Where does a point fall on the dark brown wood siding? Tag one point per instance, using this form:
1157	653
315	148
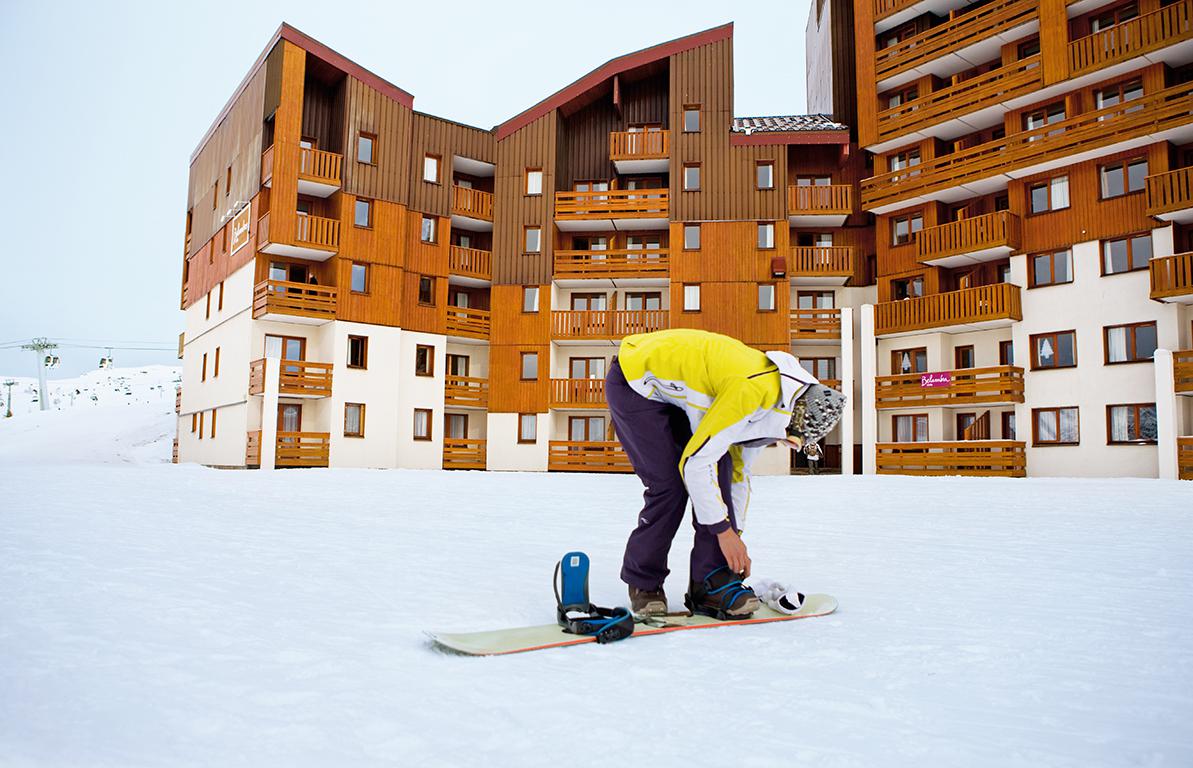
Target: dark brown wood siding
370	111
531	147
444	139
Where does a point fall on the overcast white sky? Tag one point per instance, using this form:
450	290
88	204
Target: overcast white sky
104	103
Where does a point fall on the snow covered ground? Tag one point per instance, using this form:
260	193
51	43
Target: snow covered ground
155	615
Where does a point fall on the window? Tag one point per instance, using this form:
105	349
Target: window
586	428
533	240
1008	425
228	182
1050	195
766	235
814	300
643	300
764	174
530	366
589	302
691	177
766	297
194	422
534	181
903	161
220	305
910	428
1119	94
528	427
457	365
208	309
903	228
363	213
1126	254
1054	350
201	415
215	195
814	239
424	360
1111	18
1124	423
1055	426
691	298
216	368
963	357
354	420
1131	343
691	237
530	298
365	148
213	413
431	168
898	98
1028	49
821	367
203	376
813	181
360	278
1123	176
1006	352
1038	118
426	290
429	227
907	288
691	118
1051	268
358	351
908	361
422	423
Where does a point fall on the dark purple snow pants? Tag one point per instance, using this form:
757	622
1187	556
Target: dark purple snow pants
654	435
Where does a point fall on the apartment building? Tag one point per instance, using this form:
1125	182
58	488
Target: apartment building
366	285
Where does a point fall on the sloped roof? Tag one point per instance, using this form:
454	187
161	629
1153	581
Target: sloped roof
786	124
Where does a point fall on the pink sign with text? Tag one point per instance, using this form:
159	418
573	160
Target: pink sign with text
942	379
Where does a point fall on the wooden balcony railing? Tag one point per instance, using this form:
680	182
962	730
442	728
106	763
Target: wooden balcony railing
470	262
1184	457
302	449
620	263
639	145
473	203
1170	191
467	391
612	204
296	378
978	233
319	165
178	400
174	455
463	453
816	324
820	200
987	303
1182	371
1003	458
590	456
252	449
978	430
267	165
1171	276
578	393
884	8
317	231
466	321
279	297
832	384
607	323
1129	39
181	344
969	386
821	261
961	31
1154	113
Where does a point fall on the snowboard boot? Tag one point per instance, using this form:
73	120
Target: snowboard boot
722	596
814	415
648	602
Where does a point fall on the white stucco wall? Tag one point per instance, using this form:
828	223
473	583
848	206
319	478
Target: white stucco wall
505	453
420	392
375	386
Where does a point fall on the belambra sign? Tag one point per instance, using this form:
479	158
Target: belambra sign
942	379
240	229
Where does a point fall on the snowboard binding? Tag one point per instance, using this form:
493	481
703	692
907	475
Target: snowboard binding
576	614
721	595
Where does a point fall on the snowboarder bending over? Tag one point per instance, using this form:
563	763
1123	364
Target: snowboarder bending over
692	409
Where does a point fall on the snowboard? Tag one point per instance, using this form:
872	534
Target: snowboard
499	642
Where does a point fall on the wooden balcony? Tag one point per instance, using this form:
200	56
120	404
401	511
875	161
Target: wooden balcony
823	205
463	453
966	39
973	309
1145	35
472	208
294	302
1170	195
468	323
1172	278
999	458
252	449
470	262
1184	457
615	209
296	378
174	455
294	449
315	238
465	392
969	241
1000	385
816	325
640	151
821	265
181	344
178	400
592	456
1164	115
620	264
578	393
318	171
606	323
1182	371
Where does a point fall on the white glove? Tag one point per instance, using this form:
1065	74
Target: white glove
778	596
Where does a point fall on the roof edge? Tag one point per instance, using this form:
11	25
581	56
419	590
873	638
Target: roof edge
788	137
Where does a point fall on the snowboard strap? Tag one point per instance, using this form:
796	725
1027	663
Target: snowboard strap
576	614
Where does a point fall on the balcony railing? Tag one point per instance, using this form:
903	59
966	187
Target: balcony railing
181	344
607	323
820	200
990	236
821	261
1182	371
465	391
469	322
621	263
319	165
884	8
279	297
969	386
252	449
1129	39
178	400
296	378
302	449
267	166
1172	277
1002	458
472	203
612	204
1170	192
313	232
985	306
639	145
816	324
463	453
578	393
587	456
470	262
1184	457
